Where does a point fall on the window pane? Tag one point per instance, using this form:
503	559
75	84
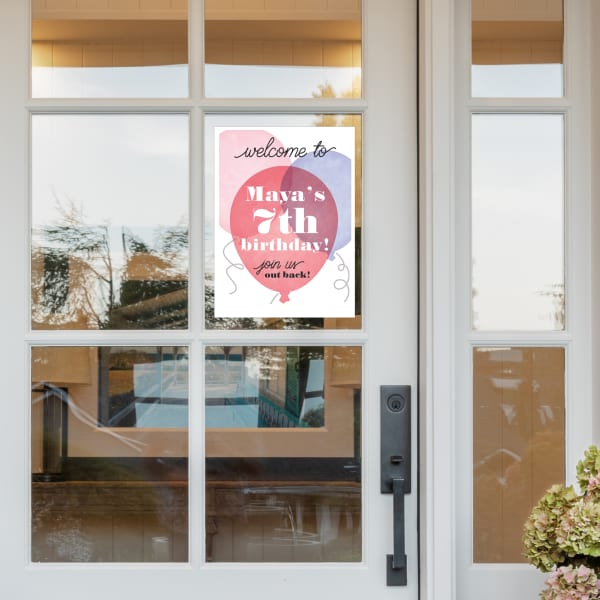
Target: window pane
282	50
283	222
110	218
283	454
518	443
517	222
100	493
517	49
117	50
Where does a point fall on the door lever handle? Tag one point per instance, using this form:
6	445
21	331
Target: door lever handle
395	471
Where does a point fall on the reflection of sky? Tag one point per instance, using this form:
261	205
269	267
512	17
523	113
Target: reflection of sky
517	81
171	81
123	172
252	81
167	81
129	170
517	191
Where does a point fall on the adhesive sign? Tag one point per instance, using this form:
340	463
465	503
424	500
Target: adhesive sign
284	232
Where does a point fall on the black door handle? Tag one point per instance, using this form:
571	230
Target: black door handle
395	470
399	556
396	563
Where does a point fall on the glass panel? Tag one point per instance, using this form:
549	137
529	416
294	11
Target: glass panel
110	221
283	222
283	454
517	222
518	443
101	494
283	50
517	49
109	50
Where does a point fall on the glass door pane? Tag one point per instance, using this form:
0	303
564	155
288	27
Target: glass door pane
109	448
518	206
109	49
517	49
283	49
518	443
110	198
283	454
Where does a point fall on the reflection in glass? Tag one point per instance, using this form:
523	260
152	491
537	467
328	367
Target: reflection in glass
517	49
283	454
518	443
283	52
101	494
127	50
110	221
517	222
143	386
316	121
265	386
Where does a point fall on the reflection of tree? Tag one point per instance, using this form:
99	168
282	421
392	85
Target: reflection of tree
153	290
349	120
76	281
556	293
314	417
326	90
71	268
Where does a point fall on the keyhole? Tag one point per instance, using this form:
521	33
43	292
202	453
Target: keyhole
396	403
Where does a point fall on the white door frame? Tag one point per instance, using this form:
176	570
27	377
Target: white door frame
437	377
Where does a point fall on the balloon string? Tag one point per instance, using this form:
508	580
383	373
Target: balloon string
232	265
341	284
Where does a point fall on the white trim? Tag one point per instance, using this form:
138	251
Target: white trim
437	299
578	233
14	66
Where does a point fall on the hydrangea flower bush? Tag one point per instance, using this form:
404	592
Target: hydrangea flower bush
562	535
571	583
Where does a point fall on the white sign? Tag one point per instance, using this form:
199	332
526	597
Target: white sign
284	231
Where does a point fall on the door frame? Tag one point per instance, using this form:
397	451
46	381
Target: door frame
436	268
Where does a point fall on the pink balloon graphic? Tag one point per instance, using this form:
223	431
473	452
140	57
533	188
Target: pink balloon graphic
283	221
243	152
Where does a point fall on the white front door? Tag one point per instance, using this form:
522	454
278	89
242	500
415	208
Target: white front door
192	407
